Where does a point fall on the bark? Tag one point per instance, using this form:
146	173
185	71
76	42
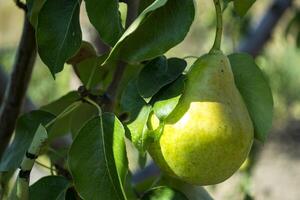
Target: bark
17	85
132	12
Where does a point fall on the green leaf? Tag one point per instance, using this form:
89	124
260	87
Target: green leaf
131	101
26	127
158	73
255	91
164	193
61	126
146	38
33	9
58	32
131	72
138	128
242	6
48	188
58	105
167	99
139	111
86	51
80	116
91	72
102	174
105	17
68	194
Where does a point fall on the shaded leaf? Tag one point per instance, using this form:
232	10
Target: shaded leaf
86	51
48	188
91	72
33	9
146	38
131	72
104	156
58	105
164	193
158	73
68	194
80	116
26	127
167	99
131	101
58	32
255	91
242	6
62	125
139	111
105	17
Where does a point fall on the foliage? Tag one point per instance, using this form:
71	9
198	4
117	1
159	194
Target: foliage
96	166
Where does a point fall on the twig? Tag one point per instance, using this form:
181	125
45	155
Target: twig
132	12
219	26
21	5
45	166
17	86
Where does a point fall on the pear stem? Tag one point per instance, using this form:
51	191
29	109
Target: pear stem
219	26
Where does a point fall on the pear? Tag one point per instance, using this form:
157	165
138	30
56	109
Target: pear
209	134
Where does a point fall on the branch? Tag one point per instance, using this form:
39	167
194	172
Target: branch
21	5
101	47
28	104
17	86
132	12
258	37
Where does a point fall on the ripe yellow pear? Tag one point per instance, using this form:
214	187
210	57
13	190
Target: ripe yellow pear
209	134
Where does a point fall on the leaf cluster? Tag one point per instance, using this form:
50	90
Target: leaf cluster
94	165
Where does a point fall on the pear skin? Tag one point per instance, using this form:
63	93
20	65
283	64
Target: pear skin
209	134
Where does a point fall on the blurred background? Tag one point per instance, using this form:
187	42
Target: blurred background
270	32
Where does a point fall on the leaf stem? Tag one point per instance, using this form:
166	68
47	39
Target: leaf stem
65	112
94	104
45	166
219	26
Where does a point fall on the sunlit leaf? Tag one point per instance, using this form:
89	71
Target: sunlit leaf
99	170
167	99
